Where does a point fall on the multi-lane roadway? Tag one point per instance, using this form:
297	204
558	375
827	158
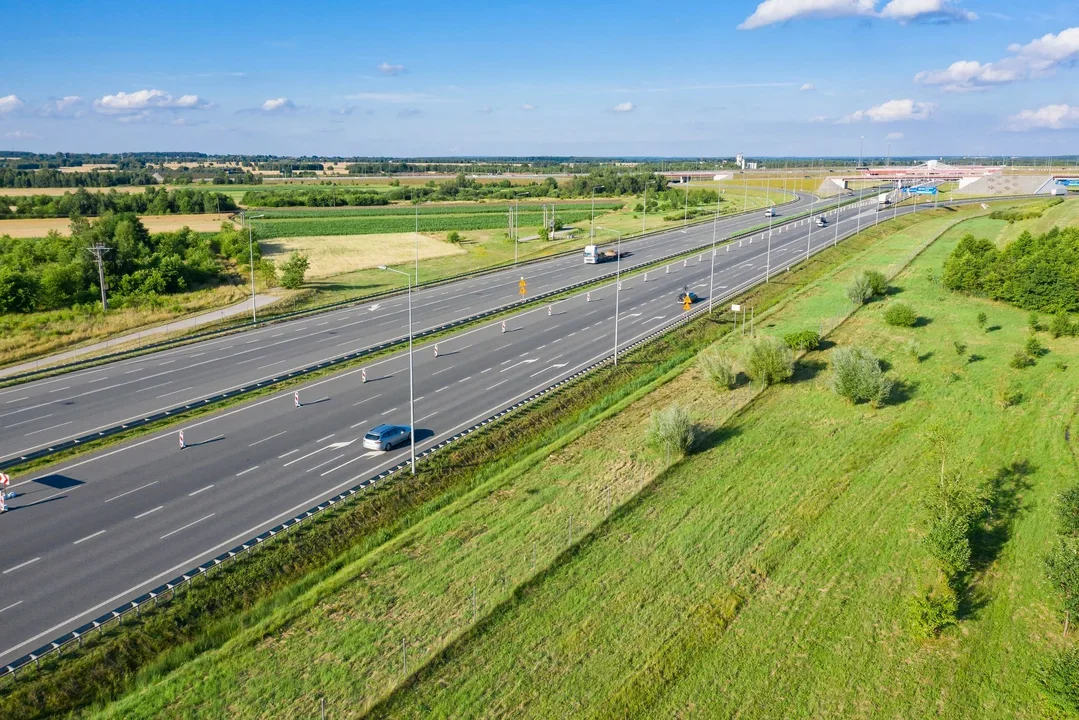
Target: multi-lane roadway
46	412
91	533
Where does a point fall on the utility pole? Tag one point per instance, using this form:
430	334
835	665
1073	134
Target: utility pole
98	251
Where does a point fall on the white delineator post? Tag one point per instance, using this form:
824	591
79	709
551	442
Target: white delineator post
182	443
503	326
363	375
296	398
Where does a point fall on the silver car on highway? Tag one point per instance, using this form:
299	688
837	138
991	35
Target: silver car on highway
387	437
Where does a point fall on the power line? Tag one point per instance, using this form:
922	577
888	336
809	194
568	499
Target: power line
98	251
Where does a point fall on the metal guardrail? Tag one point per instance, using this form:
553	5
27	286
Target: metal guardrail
169	589
347	357
29	375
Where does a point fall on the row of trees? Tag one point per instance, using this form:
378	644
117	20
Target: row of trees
50	178
314	196
57	271
1034	272
152	201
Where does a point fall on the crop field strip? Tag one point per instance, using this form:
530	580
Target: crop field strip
324	225
496	208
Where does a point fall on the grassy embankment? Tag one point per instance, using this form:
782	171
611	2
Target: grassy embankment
557	629
203	617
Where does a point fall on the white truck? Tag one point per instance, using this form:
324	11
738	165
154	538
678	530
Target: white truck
883	201
593	255
770	212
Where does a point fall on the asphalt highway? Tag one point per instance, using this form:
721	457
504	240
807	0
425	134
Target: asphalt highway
89	534
42	413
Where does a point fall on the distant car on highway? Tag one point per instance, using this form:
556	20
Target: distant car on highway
770	212
387	437
821	221
682	296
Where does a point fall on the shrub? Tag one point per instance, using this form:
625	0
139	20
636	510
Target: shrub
982	320
804	340
769	361
932	610
877	282
1034	322
859	290
1068	511
1061	325
1062	569
913	350
857	376
1033	347
954	506
1061	678
719	367
900	315
1020	360
960	347
455	237
1008	394
293	271
670	430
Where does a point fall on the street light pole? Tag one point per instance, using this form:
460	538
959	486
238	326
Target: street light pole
516	234
411	386
592	228
251	262
809	241
768	261
617	289
712	270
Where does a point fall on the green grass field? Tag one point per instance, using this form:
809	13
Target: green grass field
766	574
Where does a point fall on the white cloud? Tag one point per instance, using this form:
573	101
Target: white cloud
926	10
894	136
487	109
818	119
142	102
391	70
770	12
893	111
1050	117
807	87
10	103
624	107
67	106
278	105
528	106
22	135
1037	58
774	11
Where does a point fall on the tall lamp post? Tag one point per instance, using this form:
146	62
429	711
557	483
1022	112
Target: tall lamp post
517	235
411	386
592	227
617	288
251	259
809	241
712	271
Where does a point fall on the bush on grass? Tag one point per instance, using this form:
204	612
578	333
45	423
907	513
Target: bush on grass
900	315
802	341
857	376
932	610
719	368
671	430
769	361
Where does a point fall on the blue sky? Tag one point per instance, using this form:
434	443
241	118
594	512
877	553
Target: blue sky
802	77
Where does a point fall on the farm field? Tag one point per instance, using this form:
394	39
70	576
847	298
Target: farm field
781	588
40	227
337	254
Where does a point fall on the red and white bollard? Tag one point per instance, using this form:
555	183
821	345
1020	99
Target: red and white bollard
182	443
685	262
503	326
550	311
296	398
363	375
436	350
646	277
620	285
4	482
588	297
668	270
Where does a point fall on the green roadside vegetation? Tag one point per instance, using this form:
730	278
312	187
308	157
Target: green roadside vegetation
772	573
534	523
210	613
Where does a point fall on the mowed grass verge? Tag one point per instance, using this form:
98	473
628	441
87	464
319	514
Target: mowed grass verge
355	636
768	575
